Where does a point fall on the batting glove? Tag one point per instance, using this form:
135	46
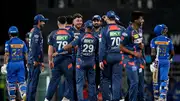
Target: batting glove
152	67
3	69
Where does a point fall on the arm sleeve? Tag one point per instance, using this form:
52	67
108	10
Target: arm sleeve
50	38
124	38
6	47
76	42
36	50
25	50
152	44
102	45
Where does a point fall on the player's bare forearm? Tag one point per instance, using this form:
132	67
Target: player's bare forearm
6	58
172	54
153	54
67	47
125	50
50	53
26	57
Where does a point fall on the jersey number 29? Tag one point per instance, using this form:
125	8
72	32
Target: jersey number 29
88	48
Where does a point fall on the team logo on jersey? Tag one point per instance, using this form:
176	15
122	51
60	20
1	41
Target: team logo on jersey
115	33
62	37
88	41
124	34
16	45
136	36
100	37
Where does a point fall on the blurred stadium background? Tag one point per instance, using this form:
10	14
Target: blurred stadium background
21	12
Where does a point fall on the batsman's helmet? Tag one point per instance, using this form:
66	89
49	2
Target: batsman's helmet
159	29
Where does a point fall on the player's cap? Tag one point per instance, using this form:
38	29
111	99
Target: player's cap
96	17
110	14
13	29
88	24
40	17
158	30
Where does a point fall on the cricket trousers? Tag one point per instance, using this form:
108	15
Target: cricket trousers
61	88
33	79
141	64
86	66
163	79
62	66
63	85
112	77
16	78
132	69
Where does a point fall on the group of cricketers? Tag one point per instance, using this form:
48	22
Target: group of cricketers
95	51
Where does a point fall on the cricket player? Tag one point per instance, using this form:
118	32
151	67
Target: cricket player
69	22
162	51
15	53
110	58
76	29
129	42
140	62
96	20
85	61
63	85
35	56
77	25
61	64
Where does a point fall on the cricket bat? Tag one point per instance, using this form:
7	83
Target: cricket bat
155	74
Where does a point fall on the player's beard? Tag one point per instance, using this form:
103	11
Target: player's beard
96	26
42	26
139	24
78	26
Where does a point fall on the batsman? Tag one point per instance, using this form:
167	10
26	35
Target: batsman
162	52
15	53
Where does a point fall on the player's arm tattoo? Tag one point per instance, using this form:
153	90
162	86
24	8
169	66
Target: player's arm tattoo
6	57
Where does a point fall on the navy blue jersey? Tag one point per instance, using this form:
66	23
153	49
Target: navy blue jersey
132	38
87	45
109	40
59	38
51	37
165	46
96	33
68	27
16	49
75	32
35	46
